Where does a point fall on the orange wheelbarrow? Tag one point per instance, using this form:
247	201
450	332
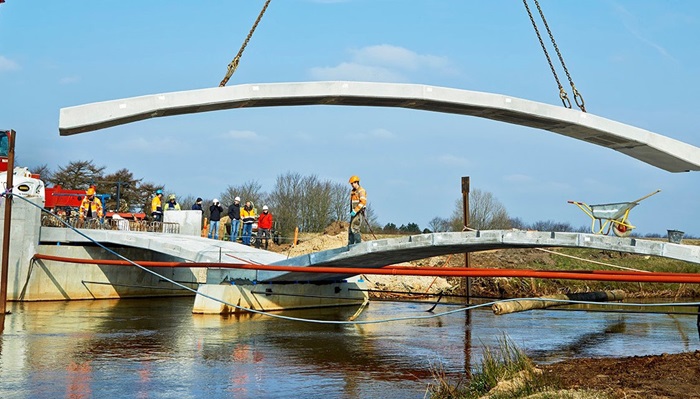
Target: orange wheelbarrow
613	217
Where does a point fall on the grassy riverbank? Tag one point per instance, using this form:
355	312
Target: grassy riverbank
507	373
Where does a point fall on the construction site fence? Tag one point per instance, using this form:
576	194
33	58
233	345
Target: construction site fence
111	224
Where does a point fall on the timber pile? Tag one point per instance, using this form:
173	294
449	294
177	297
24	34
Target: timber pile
529	304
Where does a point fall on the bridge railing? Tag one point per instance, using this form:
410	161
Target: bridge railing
111	224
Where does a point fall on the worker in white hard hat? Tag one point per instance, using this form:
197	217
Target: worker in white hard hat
234	213
215	211
358	202
264	226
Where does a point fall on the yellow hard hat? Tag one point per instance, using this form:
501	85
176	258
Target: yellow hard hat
354	179
90	191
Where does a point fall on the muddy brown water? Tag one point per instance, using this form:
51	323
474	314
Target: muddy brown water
156	348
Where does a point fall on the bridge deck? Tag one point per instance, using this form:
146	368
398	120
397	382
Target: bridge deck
369	254
657	150
384	252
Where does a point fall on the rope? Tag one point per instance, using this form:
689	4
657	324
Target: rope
234	63
343	322
592	261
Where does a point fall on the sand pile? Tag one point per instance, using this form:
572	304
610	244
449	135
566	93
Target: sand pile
336	236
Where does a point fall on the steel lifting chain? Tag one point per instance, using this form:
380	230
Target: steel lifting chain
578	98
562	93
234	63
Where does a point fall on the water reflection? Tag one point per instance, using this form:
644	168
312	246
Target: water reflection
159	349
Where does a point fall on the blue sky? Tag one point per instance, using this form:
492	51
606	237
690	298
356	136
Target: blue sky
636	62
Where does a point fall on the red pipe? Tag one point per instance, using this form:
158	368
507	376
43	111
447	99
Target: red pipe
597	275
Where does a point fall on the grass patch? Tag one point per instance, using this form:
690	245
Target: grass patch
504	373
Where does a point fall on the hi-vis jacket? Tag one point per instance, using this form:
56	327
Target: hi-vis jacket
358	199
91	208
248	216
156	205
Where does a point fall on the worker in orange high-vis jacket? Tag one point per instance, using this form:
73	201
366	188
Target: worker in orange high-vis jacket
358	202
91	206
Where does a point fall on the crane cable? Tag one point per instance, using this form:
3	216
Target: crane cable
578	98
234	63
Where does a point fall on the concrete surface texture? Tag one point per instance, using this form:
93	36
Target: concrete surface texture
655	149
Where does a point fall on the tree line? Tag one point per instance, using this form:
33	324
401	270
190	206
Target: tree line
307	202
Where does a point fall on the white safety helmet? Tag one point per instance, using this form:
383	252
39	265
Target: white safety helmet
216	201
265	208
237	199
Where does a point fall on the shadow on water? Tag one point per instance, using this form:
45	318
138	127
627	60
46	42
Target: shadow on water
320	347
582	344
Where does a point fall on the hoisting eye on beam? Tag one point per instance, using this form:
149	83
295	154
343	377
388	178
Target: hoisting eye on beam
578	98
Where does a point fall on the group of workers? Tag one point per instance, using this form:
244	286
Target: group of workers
91	207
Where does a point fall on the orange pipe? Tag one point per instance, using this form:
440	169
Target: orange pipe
617	272
119	262
596	275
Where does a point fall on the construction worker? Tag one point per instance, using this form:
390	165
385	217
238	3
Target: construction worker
91	206
248	218
358	202
264	226
172	204
157	206
215	210
234	213
197	206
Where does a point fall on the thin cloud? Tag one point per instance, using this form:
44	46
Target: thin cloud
145	145
383	63
69	80
354	71
241	135
517	178
453	160
7	64
375	134
398	57
629	21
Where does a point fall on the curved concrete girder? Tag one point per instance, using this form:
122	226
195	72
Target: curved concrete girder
657	150
391	251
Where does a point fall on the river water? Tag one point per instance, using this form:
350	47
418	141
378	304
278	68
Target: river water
156	348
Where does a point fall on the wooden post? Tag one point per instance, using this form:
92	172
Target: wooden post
6	231
468	282
465	210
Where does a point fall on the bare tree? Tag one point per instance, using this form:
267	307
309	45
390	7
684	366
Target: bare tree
248	191
372	225
286	200
438	224
43	171
340	201
317	207
485	212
